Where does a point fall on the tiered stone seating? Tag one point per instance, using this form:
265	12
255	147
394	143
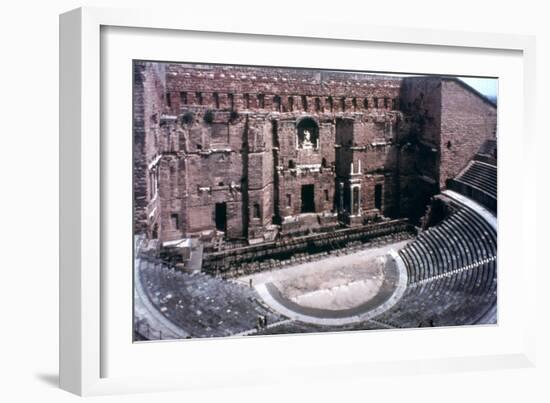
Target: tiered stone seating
202	305
482	176
451	274
452	280
462	239
478	181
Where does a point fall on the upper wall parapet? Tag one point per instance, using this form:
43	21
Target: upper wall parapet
279	89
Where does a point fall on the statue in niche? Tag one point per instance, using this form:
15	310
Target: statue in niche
307	135
307	139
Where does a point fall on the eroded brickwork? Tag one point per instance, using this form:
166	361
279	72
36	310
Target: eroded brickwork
257	153
468	120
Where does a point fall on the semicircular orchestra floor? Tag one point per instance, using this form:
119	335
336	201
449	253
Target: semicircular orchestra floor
339	290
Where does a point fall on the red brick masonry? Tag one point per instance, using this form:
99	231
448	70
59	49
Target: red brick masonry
261	151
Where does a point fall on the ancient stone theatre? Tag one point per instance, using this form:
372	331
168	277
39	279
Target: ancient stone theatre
285	200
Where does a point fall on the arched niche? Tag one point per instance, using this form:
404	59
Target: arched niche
307	134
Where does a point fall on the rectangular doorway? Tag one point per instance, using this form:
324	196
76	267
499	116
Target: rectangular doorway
308	199
221	216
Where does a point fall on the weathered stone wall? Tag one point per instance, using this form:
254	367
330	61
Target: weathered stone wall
421	103
148	93
467	121
278	89
445	123
237	148
214	172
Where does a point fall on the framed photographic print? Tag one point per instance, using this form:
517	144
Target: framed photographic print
234	202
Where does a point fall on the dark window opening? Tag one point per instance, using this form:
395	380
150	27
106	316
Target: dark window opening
308	199
256	210
291	104
261	101
288	200
246	101
354	103
217	100
231	98
324	163
168	100
342	104
183	97
220	184
198	96
327	198
291	164
199	146
221	216
155	233
378	196
317	104
366	103
330	103
449	145
375	102
277	103
175	221
304	102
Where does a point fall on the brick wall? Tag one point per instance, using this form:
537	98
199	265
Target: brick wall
148	103
235	136
467	120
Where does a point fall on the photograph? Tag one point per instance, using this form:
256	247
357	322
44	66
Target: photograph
272	200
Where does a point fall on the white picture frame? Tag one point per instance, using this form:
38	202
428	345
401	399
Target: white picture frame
85	306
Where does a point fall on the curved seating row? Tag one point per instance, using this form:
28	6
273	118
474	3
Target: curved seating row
480	175
462	239
452	274
202	305
452	280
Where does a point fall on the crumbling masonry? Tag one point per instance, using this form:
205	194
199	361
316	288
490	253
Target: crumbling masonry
252	154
